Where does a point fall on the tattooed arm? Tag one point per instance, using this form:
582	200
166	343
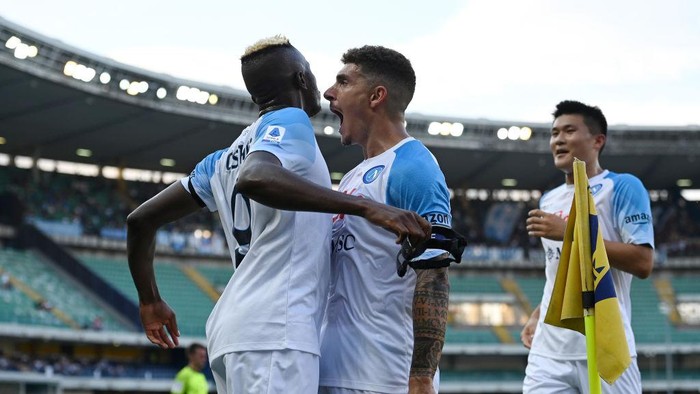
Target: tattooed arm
430	303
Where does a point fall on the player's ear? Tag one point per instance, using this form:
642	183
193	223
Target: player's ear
599	141
378	96
300	81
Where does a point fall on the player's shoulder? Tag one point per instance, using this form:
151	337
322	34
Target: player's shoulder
623	179
413	157
286	124
626	184
288	115
415	172
208	164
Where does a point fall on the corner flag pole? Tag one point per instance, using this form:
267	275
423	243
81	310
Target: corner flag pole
583	233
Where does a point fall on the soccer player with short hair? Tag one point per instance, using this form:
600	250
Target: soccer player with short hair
557	360
269	187
383	333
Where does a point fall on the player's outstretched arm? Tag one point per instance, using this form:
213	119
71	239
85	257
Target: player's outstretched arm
263	179
430	307
169	205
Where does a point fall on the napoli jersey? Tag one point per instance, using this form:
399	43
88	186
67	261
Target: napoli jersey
367	336
624	215
276	296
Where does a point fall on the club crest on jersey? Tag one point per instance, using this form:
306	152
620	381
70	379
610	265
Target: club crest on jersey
596	188
372	174
274	134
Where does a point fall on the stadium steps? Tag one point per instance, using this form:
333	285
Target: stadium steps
503	334
189	302
476	284
113	270
482	375
532	287
71	302
85	296
470	336
647	320
665	291
512	286
479	286
37	298
217	274
200	281
686	284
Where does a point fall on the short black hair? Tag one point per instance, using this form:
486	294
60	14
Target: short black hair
194	347
592	116
387	67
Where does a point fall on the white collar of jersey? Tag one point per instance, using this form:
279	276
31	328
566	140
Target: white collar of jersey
390	150
596	178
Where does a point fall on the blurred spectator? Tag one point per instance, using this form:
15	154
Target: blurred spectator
43	305
97	324
99	206
5	282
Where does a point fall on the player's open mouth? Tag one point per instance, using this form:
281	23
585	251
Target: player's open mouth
338	114
560	152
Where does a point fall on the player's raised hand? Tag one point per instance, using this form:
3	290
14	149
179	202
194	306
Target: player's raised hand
403	223
156	317
547	225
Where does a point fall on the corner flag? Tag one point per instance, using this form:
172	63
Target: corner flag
584	298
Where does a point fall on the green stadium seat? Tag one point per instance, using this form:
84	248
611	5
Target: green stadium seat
190	303
54	286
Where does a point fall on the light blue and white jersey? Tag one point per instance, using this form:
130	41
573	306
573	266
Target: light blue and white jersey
367	337
276	296
624	215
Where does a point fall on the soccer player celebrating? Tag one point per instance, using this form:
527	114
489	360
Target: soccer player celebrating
268	187
557	360
382	331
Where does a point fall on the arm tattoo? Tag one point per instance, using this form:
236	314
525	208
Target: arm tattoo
430	306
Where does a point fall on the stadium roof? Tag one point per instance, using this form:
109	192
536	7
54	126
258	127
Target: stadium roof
49	110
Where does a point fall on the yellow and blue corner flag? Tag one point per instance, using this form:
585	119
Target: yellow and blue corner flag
584	281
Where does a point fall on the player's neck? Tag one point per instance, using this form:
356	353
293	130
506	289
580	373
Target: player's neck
272	107
277	102
592	170
382	136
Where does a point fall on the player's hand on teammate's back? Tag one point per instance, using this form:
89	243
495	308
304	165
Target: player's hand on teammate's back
156	317
403	223
547	225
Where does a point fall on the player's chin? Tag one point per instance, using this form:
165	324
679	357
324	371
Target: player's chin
564	163
344	139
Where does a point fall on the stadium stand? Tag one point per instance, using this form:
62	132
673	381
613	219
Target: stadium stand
53	294
83	207
67	303
190	302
